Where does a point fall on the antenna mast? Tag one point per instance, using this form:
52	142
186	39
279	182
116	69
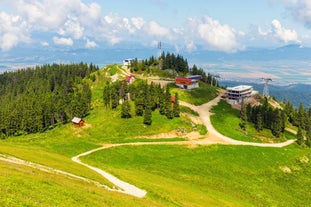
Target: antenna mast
160	48
266	88
159	55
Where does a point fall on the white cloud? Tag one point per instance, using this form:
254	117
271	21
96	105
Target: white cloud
262	32
72	28
153	28
45	44
301	10
190	46
63	41
282	33
90	44
138	22
214	34
72	16
13	30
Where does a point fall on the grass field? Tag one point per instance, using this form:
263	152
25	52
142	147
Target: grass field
24	186
197	96
213	175
172	175
226	120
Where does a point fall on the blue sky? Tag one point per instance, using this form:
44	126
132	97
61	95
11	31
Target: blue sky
222	25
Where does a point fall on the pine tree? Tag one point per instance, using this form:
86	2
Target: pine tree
258	123
114	98
302	116
308	133
300	139
276	126
148	116
169	112
176	109
126	110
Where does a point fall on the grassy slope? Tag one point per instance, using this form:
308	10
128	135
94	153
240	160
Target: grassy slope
213	175
196	96
226	120
24	186
54	148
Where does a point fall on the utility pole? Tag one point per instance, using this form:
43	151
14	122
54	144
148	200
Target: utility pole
159	55
266	88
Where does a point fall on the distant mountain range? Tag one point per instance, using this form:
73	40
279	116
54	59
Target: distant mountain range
288	66
293	52
42	55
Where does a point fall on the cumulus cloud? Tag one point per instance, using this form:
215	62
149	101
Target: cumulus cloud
282	33
52	14
13	30
301	10
90	44
214	34
63	41
153	28
72	28
68	18
45	44
138	22
70	21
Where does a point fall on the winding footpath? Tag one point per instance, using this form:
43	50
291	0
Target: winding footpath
213	137
218	138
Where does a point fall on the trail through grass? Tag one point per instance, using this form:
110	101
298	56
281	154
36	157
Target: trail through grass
213	175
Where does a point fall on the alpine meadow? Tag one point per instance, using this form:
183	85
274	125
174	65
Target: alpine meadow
163	147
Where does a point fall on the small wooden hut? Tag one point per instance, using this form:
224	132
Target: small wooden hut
77	121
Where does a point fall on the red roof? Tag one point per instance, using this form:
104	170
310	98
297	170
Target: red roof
173	99
128	78
182	79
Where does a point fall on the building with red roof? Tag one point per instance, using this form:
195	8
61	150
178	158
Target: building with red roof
186	83
130	79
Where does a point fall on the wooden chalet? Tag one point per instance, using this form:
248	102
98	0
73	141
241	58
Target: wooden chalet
77	121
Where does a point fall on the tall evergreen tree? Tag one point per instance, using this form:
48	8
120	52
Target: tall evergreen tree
308	134
176	109
276	126
126	110
148	116
258	123
300	139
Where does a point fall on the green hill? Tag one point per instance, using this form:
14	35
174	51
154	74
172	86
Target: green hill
181	175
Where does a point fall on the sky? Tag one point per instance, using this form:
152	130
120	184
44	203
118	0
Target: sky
187	25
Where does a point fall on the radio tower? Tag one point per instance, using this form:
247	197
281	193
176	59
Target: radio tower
160	48
266	88
160	55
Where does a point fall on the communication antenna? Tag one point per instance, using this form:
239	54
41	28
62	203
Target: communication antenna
266	88
160	48
159	55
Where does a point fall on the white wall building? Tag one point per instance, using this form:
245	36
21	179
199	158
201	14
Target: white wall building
236	94
128	62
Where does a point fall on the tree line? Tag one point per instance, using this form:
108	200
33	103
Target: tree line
265	116
145	98
35	99
206	78
165	61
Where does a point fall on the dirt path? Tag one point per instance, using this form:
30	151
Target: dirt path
213	137
15	160
217	138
